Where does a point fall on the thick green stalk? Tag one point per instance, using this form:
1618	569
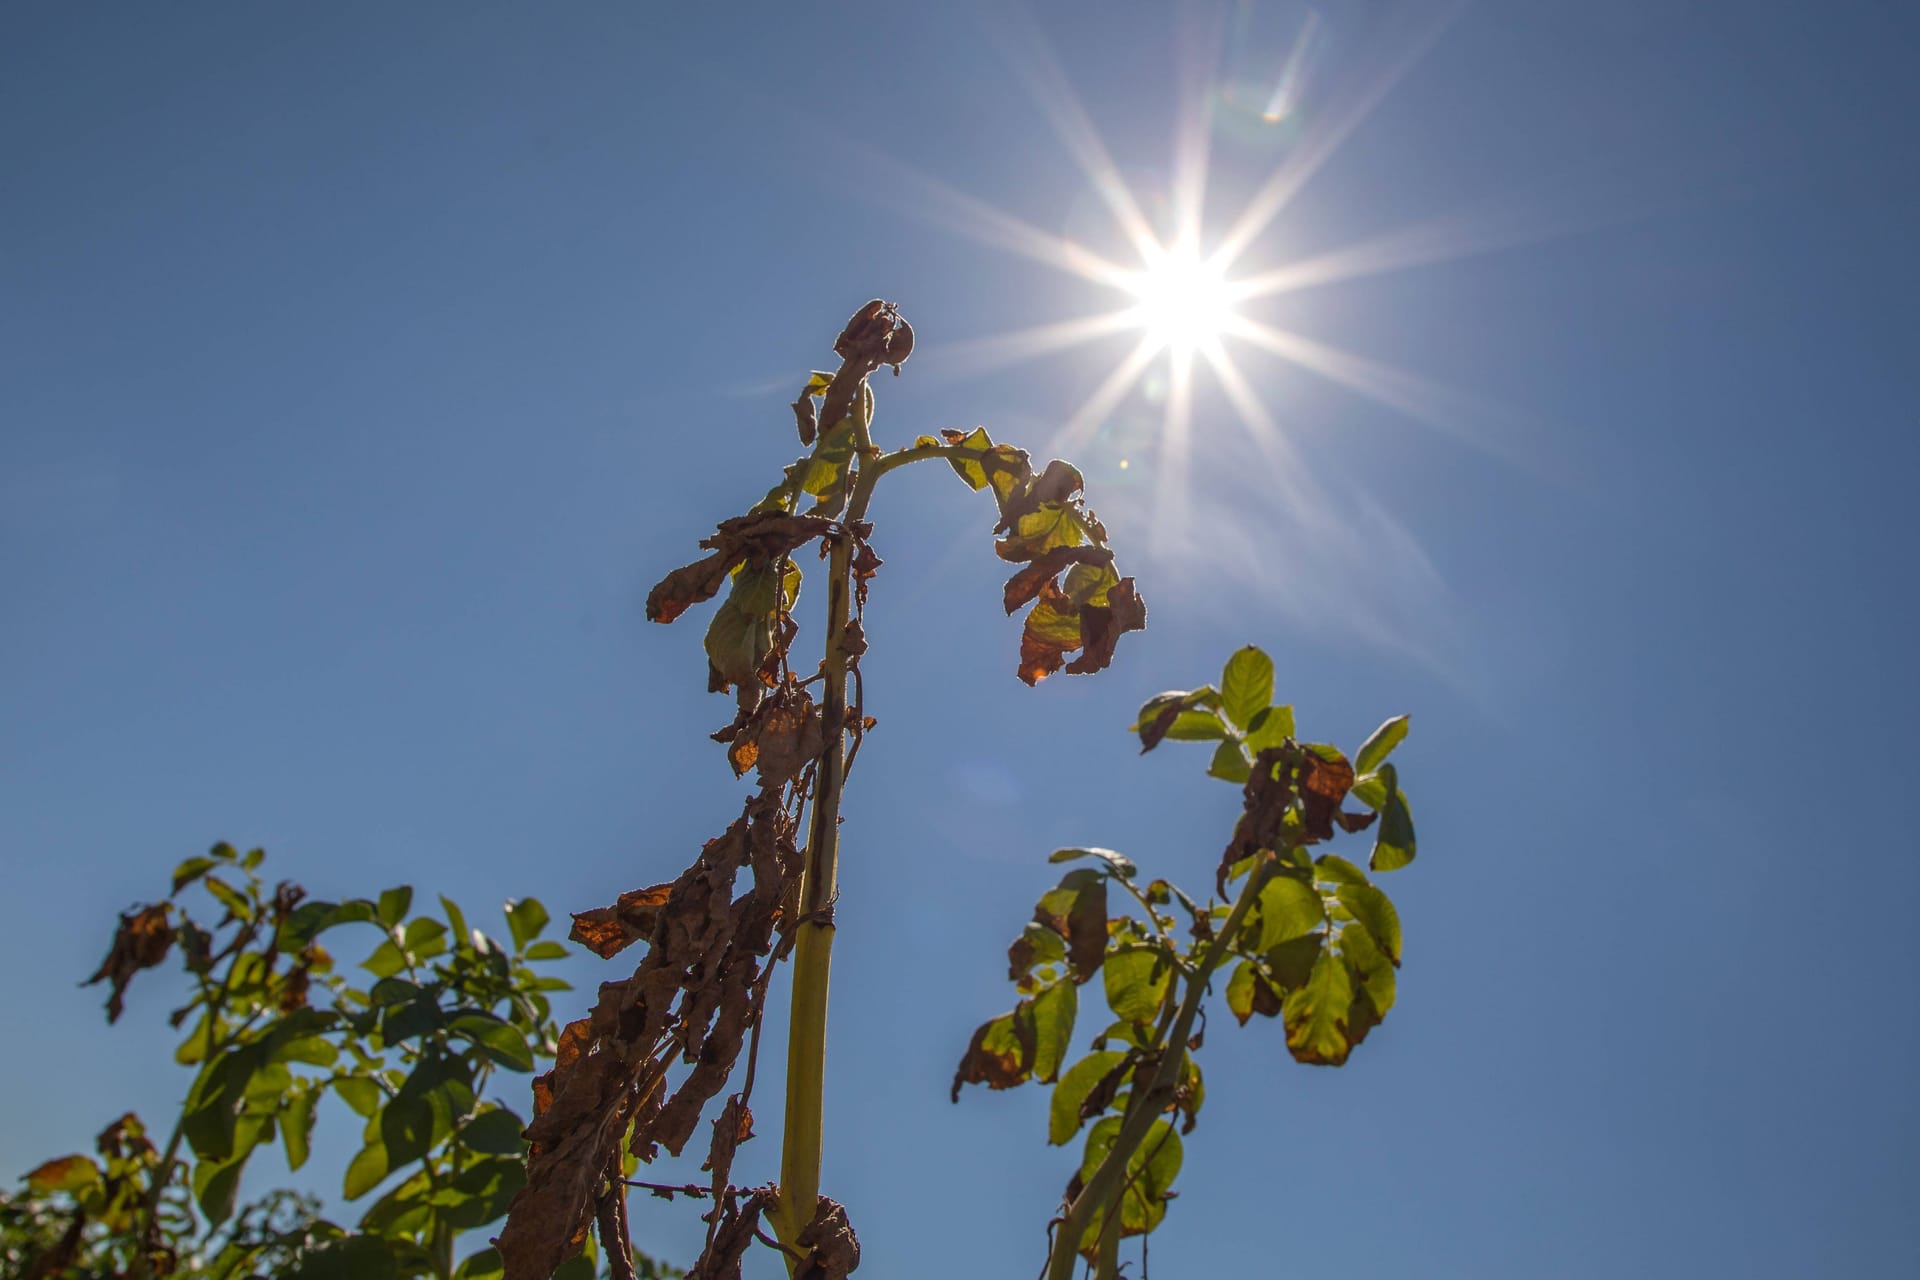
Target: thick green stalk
813	948
802	1142
1107	1182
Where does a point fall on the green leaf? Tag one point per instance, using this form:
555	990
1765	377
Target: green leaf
741	634
190	870
1150	1174
526	918
1271	727
497	1039
253	858
296	1125
1118	864
547	950
484	1265
394	904
1291	963
310	919
232	899
1063	1112
425	937
216	1098
1374	912
414	1018
456	920
1316	1014
215	1185
1380	744
1371	968
496	1132
387	959
1240	991
1197	726
1136	978
480	1192
356	1257
394	991
970	469
1333	867
359	1092
1230	763
1288	910
1190	712
1246	685
1053	1014
1393	843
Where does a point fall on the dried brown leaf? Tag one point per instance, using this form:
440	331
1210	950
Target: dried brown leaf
1026	584
1101	627
828	1240
692	996
605	931
141	942
762	536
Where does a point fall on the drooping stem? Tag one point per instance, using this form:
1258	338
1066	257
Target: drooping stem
1104	1187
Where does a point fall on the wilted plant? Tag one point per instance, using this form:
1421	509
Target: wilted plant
698	993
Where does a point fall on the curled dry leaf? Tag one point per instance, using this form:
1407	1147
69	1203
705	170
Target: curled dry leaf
784	734
141	942
605	931
1323	785
692	997
762	537
831	1247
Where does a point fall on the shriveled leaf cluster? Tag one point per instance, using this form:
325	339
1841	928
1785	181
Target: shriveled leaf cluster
692	999
1046	526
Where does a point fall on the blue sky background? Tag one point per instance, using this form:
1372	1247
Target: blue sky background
361	367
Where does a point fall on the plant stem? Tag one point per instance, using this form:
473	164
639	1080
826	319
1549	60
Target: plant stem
813	948
801	1144
1106	1181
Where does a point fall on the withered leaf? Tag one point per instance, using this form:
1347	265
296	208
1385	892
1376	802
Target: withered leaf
691	997
805	419
1026	584
1323	785
865	565
1101	627
733	1126
141	942
832	1248
605	931
1000	1055
1077	911
784	735
763	536
1051	632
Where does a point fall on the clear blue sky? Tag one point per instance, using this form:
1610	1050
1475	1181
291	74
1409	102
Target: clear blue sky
362	365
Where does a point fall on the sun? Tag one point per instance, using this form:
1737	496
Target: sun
1183	302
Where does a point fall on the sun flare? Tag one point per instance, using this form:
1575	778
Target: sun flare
1184	303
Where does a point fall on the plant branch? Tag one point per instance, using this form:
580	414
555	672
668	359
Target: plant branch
1107	1179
